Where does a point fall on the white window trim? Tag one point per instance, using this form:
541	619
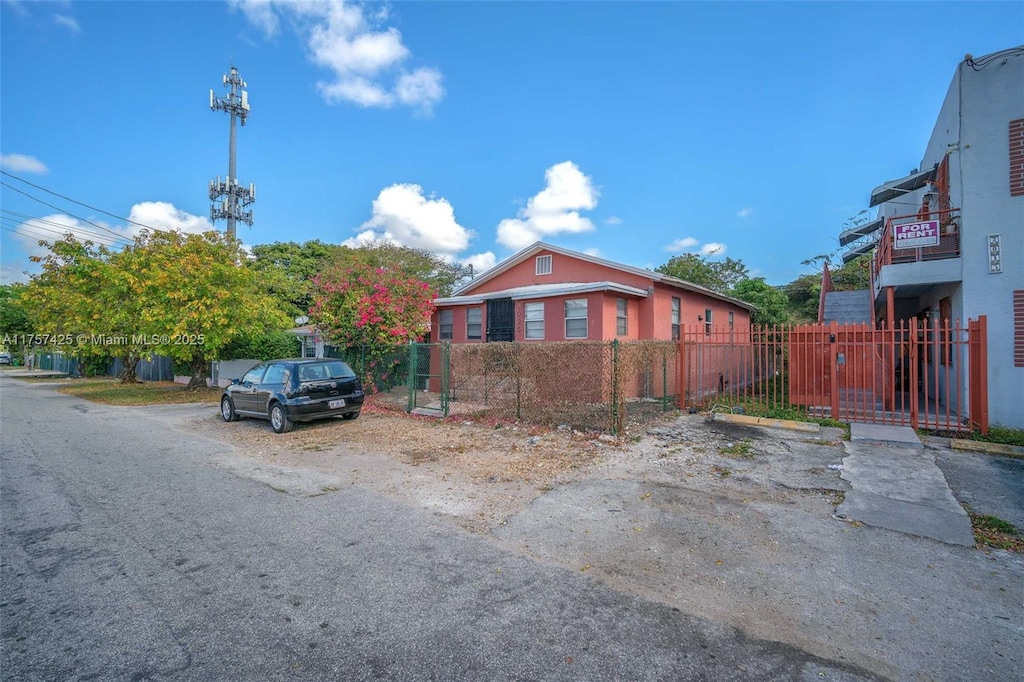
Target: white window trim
624	317
441	324
543	265
479	324
527	321
585	318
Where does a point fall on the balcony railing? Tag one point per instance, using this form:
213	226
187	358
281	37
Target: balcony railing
948	246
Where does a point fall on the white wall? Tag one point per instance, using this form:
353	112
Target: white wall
991	98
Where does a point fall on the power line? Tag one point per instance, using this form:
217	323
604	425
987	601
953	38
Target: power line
58	208
75	201
60	230
32	221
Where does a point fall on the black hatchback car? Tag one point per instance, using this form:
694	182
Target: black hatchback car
287	391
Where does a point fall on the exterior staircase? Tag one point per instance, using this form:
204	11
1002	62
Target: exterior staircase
848	307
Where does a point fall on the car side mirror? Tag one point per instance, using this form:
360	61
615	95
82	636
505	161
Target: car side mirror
234	382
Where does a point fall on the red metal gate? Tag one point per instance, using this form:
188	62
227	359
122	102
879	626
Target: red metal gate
923	373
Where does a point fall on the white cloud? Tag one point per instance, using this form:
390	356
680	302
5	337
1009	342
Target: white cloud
593	251
68	22
682	244
22	163
613	220
713	249
403	215
744	212
162	215
367	59
9	273
159	215
553	210
481	262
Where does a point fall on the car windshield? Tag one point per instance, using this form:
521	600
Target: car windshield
324	371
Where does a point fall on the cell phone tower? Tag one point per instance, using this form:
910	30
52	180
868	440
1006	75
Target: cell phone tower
229	199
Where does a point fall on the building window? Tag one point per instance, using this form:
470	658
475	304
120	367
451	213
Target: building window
446	322
707	321
732	321
543	265
621	321
534	313
576	318
676	305
474	325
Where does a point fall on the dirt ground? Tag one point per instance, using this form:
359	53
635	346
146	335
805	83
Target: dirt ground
730	523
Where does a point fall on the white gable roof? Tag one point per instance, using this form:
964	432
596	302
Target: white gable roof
537	247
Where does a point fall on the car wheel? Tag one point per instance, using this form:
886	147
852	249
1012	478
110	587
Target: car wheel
279	420
227	410
351	415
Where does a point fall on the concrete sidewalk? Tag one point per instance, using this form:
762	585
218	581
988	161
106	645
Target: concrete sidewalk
897	485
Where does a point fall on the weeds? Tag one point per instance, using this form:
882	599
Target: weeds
992	531
740	449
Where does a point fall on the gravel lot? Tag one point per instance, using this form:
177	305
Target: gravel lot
730	523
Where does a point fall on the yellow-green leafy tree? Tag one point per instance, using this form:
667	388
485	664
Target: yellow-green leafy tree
82	304
196	298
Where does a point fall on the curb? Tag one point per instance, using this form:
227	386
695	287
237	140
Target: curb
806	427
966	445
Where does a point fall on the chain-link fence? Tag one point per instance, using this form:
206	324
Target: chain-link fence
585	385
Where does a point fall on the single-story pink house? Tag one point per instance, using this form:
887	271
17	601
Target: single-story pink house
547	293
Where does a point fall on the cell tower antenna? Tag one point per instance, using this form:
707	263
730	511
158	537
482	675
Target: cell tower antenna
229	199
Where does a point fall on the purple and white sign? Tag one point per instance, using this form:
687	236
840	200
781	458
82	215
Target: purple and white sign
916	235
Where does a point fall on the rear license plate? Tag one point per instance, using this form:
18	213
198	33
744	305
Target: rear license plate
335	404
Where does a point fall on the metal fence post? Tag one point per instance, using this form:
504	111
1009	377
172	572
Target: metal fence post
664	381
411	379
616	426
446	348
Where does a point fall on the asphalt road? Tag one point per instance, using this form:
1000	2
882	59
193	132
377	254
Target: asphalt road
131	552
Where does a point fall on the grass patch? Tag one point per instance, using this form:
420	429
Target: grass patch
1001	434
992	531
821	441
113	392
740	449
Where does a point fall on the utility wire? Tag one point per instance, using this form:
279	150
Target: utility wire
54	231
75	201
58	208
32	221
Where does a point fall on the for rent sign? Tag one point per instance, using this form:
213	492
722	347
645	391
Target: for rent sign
916	235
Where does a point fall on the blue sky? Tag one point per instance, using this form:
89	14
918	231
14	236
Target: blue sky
635	131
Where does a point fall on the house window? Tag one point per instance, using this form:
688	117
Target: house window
621	321
534	313
707	321
308	347
732	321
676	304
446	322
474	325
543	265
576	318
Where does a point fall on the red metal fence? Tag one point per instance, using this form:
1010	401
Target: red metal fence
922	373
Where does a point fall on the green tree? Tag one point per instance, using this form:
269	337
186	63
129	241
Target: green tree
287	269
717	275
373	307
15	323
196	298
85	305
771	302
442	275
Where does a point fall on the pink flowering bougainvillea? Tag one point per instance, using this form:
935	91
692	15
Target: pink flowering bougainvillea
375	308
